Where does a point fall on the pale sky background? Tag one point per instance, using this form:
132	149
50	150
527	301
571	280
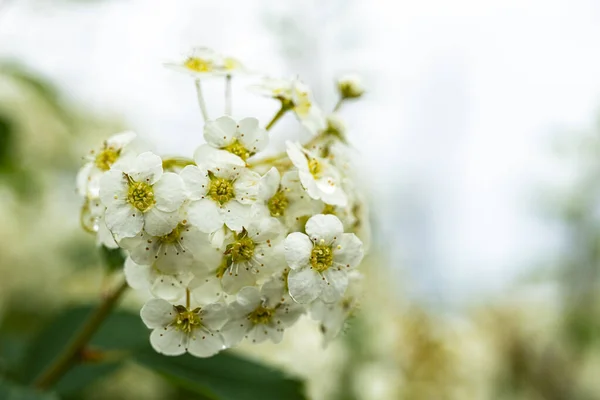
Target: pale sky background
454	134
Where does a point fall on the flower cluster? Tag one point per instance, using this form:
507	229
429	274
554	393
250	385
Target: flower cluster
231	244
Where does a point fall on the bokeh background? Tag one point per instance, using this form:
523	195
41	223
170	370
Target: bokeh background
479	148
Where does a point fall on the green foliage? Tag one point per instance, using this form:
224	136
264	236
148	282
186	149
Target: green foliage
121	333
225	376
123	337
10	391
113	259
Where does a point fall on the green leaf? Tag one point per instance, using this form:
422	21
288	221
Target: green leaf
225	376
11	391
113	259
122	332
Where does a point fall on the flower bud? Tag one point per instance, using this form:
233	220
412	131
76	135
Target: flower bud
350	86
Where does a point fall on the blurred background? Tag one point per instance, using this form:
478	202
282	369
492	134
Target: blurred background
479	144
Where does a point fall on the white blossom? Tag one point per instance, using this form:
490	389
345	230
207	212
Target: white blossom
284	198
220	194
260	315
177	329
320	179
243	138
202	62
172	252
350	86
332	316
321	259
299	96
140	196
168	286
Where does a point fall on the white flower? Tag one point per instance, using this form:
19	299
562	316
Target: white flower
254	252
203	62
92	219
332	316
320	179
172	252
297	96
350	86
284	198
177	329
101	160
168	286
221	194
321	259
140	196
243	138
260	315
344	214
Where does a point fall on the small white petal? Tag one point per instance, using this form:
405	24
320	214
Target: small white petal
207	289
248	298
220	132
269	184
123	220
214	316
334	285
298	248
205	215
159	223
169	341
158	313
196	181
347	251
234	331
168	192
251	135
137	276
246	186
258	333
204	343
113	188
324	227
172	259
168	287
304	285
121	140
298	158
237	277
208	157
235	215
147	168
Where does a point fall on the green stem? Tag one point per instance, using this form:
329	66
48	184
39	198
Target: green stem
201	102
276	117
228	98
71	353
338	105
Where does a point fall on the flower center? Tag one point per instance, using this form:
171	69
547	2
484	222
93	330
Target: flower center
238	149
198	64
106	158
321	257
261	315
278	203
172	237
314	167
140	195
221	190
186	320
242	249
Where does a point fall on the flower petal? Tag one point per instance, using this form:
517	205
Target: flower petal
269	184
296	155
208	157
137	276
121	140
248	298
220	132
234	331
169	341
246	186
123	220
113	188
258	333
157	313
173	259
168	287
204	214
204	343
207	289
251	135
304	285
159	223
169	192
147	167
334	285
347	251
322	227
214	316
236	277
297	248
235	215
196	181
